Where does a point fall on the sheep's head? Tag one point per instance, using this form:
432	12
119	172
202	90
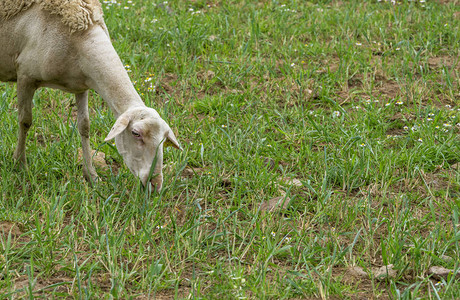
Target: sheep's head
140	135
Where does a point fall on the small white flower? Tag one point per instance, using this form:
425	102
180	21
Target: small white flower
399	102
387	104
336	114
358	44
420	140
273	234
405	128
293	64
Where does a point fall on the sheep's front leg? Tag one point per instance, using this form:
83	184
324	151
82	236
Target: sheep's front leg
83	127
26	90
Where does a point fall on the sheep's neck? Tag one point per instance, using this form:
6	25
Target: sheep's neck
106	73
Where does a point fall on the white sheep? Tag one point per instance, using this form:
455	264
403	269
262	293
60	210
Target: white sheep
64	44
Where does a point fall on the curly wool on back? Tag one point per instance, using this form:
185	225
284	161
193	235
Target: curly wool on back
78	15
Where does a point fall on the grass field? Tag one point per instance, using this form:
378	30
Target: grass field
321	159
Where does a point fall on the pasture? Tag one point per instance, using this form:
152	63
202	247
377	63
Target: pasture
321	159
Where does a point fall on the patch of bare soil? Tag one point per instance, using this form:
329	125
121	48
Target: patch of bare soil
364	285
427	182
388	88
167	294
98	158
15	230
436	62
167	84
22	286
455	2
280	202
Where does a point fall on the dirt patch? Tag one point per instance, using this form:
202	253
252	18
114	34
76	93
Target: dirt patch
379	86
388	88
455	2
14	229
192	172
98	158
22	284
166	84
166	294
280	202
7	227
436	62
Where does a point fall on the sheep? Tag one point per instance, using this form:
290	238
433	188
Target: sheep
65	44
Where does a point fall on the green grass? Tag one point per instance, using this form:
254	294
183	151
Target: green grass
357	100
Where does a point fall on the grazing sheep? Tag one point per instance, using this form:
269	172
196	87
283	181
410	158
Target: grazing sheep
64	44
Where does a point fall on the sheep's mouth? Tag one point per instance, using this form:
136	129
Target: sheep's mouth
156	185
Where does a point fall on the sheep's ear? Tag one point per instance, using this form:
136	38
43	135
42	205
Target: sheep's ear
171	140
120	124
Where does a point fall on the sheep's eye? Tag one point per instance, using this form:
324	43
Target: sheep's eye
135	134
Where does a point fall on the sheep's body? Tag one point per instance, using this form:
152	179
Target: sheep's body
45	53
39	49
76	14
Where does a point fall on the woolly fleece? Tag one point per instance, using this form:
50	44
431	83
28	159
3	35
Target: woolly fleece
78	15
